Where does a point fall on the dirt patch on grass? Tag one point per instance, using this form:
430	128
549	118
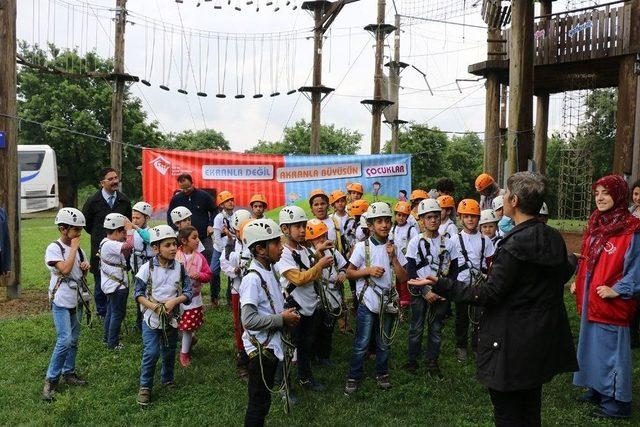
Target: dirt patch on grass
31	302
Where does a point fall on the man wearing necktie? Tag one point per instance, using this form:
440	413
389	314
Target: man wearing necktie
105	201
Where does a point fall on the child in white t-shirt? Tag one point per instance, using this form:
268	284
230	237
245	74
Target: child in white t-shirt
142	250
222	235
339	217
489	226
375	264
401	233
68	294
448	226
181	218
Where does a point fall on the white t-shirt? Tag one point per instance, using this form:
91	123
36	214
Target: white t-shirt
473	246
340	220
252	293
411	220
239	257
113	274
401	235
304	295
219	222
330	277
331	232
430	249
448	229
165	285
67	294
379	258
142	252
360	236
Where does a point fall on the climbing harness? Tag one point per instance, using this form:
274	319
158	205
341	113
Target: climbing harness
82	289
477	276
164	318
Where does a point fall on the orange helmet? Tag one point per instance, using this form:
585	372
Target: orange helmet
336	195
224	196
258	198
318	192
483	181
469	207
403	207
418	194
358	207
355	186
446	202
315	228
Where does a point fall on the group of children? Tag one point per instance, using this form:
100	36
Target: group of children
286	284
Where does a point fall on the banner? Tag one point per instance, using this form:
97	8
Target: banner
282	179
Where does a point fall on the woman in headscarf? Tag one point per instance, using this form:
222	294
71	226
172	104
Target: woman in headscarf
607	280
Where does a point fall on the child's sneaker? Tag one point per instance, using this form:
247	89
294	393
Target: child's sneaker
185	359
351	387
461	354
311	385
433	369
383	382
49	390
73	379
170	385
144	396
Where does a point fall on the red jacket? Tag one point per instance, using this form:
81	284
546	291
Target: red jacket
608	271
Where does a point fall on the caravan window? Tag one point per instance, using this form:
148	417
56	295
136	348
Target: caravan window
30	161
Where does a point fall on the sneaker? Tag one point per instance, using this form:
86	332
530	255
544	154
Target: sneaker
461	354
311	385
243	373
215	303
600	413
293	400
118	347
351	387
73	379
327	363
49	390
170	385
144	396
185	359
383	382
433	370
411	368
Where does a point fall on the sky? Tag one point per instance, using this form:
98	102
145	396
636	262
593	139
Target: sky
167	43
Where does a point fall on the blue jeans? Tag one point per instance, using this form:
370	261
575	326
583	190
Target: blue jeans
99	297
368	323
420	309
116	310
154	347
215	274
63	358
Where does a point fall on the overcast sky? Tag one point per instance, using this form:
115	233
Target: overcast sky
443	52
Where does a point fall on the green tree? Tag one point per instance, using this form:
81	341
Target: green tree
297	140
198	140
72	110
463	163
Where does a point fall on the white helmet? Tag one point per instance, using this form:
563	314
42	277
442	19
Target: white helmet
428	205
497	203
292	215
379	210
161	232
239	217
70	216
487	216
113	221
180	213
363	220
260	230
544	210
143	207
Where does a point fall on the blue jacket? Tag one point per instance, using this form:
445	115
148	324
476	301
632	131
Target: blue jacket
5	243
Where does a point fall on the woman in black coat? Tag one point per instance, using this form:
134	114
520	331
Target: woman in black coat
524	338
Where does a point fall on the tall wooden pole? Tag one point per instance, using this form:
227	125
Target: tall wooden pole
316	97
521	51
376	108
117	98
542	107
395	81
503	133
492	109
9	184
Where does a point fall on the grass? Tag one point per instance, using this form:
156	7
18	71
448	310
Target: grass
209	392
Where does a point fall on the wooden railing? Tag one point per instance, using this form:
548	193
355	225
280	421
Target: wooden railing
600	32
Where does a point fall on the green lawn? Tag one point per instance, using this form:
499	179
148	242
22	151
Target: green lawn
209	392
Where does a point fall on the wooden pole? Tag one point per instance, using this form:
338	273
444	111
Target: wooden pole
9	177
625	117
635	166
503	133
395	80
316	97
521	51
117	98
492	110
542	108
376	110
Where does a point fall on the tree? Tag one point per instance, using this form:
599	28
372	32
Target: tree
463	163
198	140
75	117
297	140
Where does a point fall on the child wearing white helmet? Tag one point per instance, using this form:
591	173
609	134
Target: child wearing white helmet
362	231
489	225
181	217
543	216
114	250
68	296
428	254
234	263
162	284
263	315
142	251
298	274
375	265
505	224
222	236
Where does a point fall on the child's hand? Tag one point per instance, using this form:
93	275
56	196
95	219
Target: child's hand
237	270
427	281
85	266
375	271
391	250
432	297
327	244
170	305
75	242
326	261
290	317
572	288
606	292
342	277
195	276
128	225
